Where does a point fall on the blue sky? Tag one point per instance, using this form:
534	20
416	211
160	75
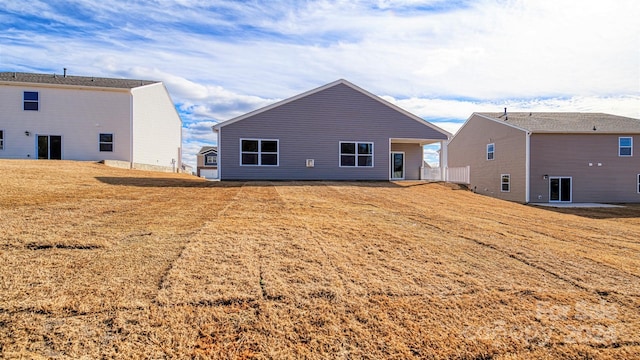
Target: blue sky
441	60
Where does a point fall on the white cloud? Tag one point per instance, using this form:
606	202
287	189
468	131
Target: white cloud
441	60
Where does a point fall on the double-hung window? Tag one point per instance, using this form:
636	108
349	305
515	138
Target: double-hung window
30	100
259	152
1	139
505	182
210	160
625	146
356	154
491	151
106	142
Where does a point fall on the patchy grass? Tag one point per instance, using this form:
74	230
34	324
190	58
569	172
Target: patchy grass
98	262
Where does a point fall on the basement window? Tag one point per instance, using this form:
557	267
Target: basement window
505	183
259	152
625	146
491	151
106	142
30	101
356	154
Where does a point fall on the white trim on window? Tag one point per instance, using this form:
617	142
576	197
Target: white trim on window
210	159
625	150
505	183
360	159
261	155
491	151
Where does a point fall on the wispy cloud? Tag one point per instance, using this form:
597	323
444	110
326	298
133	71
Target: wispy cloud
439	59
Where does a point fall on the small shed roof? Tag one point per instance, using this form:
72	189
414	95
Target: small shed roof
568	122
57	79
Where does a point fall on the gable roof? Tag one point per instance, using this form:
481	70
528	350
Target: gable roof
325	87
88	81
567	122
206	149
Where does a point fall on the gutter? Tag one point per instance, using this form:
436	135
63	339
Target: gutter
527	168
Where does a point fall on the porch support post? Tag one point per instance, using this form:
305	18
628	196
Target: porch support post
443	160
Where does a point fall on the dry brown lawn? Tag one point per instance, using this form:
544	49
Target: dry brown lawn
97	262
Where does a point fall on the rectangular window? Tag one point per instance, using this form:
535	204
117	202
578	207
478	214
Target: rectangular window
210	160
30	100
505	183
1	139
490	151
258	152
356	154
625	146
106	142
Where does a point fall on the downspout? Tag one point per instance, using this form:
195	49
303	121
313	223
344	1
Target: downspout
131	129
527	167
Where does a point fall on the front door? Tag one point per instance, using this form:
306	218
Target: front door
50	147
397	166
560	189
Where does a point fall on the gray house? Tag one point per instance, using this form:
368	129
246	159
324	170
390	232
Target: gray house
550	157
335	132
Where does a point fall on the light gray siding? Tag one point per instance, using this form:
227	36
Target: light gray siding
312	127
570	155
413	157
468	148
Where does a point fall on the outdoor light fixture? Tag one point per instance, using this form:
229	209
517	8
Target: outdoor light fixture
27	133
545	176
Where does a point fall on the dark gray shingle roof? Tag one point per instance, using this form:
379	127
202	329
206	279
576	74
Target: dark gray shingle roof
568	122
73	80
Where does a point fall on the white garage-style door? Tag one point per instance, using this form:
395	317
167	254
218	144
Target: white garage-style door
209	173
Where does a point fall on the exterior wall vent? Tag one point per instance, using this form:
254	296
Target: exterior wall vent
310	163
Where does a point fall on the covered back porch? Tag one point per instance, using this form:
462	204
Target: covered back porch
407	158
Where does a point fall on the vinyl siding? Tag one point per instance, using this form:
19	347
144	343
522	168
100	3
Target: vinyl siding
77	115
312	127
469	148
570	154
157	128
413	157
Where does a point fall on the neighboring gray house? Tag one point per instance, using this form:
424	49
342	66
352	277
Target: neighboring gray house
335	132
207	160
550	157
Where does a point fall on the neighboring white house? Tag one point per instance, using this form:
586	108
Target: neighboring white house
48	116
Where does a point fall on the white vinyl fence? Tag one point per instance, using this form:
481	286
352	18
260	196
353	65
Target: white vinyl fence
458	175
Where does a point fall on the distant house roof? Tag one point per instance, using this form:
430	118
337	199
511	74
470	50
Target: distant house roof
206	149
567	122
58	79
